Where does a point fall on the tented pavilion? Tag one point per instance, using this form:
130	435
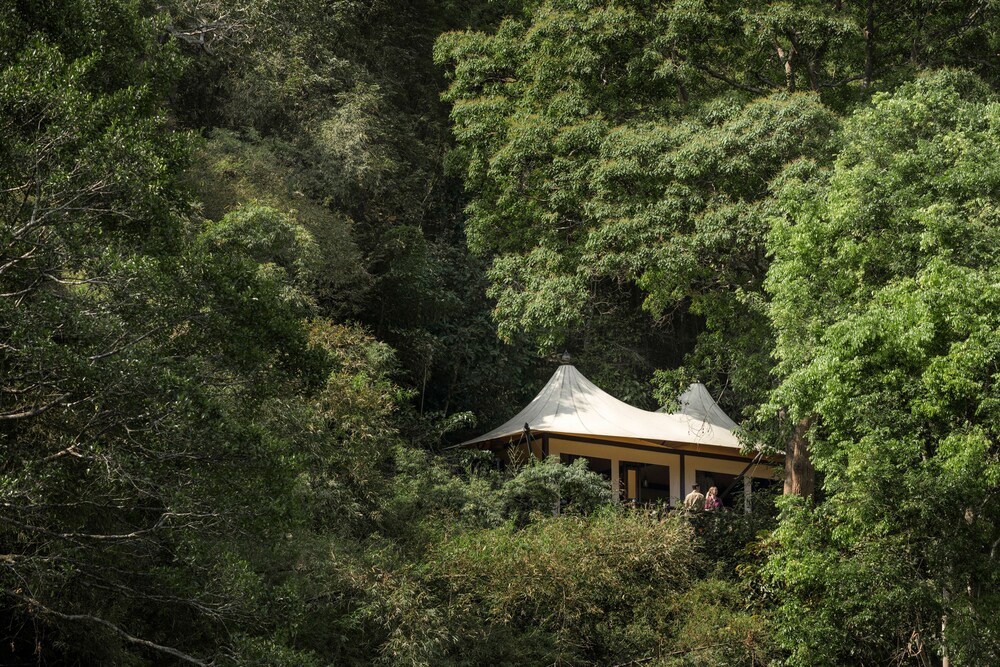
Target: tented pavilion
647	456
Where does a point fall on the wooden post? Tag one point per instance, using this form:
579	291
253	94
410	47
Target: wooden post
684	487
631	483
615	480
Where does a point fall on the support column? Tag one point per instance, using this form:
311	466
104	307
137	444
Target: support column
615	480
684	484
632	483
676	483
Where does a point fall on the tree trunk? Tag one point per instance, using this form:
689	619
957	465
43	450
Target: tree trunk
869	43
785	58
945	598
800	476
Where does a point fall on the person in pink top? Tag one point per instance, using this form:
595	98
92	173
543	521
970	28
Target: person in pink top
712	500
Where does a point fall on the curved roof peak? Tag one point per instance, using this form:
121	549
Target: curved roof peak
571	404
697	402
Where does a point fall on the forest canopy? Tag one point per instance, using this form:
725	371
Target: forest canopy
263	262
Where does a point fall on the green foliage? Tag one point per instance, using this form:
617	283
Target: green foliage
431	501
619	155
622	209
567	590
885	302
282	251
605	589
548	487
330	114
127	385
840	50
179	450
718	626
531	108
239	313
229	173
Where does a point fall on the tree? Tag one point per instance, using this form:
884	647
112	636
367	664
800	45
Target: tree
548	487
330	113
162	402
571	590
621	202
840	49
885	302
621	155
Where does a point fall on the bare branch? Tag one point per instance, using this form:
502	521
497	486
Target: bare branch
34	606
728	80
124	346
34	412
841	82
74	537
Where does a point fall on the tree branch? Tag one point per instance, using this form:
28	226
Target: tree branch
116	350
846	79
34	412
732	82
35	605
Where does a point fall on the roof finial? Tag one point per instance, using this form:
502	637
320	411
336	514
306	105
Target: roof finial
566	358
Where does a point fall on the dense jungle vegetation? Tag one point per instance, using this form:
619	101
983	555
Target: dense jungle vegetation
263	261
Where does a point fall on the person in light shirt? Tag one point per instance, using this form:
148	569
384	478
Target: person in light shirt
695	501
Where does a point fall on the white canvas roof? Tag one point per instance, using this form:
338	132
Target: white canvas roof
697	403
571	404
